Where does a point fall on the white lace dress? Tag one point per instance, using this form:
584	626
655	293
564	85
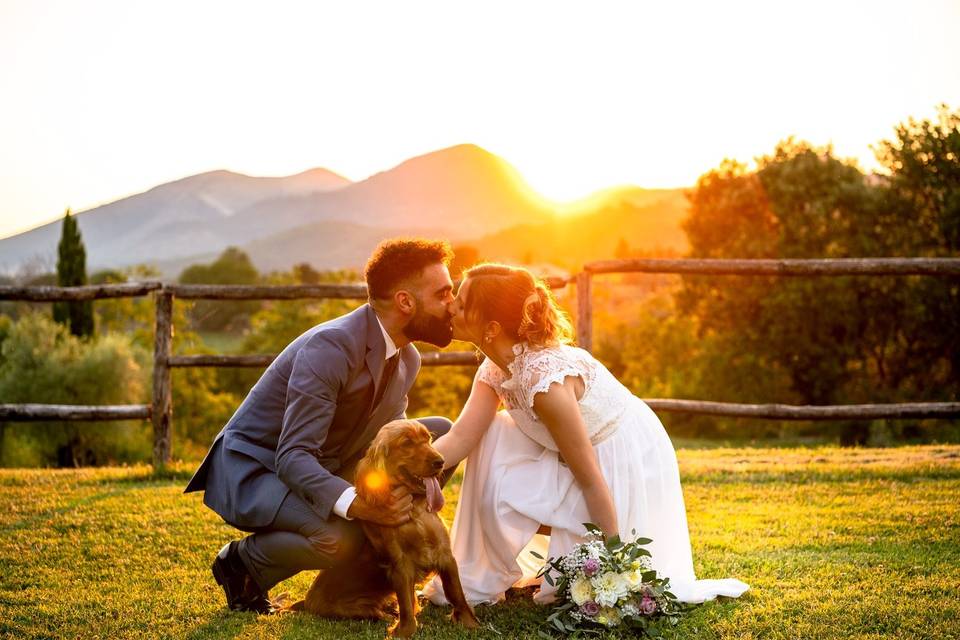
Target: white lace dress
514	481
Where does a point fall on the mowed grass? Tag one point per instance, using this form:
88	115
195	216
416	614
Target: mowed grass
861	543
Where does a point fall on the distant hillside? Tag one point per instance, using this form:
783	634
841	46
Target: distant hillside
459	192
647	221
325	245
177	219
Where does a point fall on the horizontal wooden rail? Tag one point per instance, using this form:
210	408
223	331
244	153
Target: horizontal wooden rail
35	412
209	360
827	267
31	412
808	412
427	359
266	292
86	292
284	292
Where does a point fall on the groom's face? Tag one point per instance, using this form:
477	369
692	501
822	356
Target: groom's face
433	293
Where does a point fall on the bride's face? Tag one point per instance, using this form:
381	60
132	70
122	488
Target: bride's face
462	330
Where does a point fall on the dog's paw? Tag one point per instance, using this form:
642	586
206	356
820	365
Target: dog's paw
465	617
388	612
398	630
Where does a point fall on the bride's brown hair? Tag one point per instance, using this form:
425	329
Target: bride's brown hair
522	304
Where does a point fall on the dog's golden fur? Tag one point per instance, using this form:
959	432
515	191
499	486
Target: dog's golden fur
383	579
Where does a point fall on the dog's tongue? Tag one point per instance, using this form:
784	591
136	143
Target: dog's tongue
434	494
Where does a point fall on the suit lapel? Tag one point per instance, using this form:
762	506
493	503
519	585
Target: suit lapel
376	354
378	417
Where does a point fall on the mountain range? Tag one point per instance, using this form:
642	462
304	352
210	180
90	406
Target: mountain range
463	193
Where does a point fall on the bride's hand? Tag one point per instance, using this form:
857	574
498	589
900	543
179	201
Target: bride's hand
477	414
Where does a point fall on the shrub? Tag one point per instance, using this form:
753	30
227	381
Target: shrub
41	362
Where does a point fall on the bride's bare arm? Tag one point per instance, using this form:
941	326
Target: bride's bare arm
477	414
559	411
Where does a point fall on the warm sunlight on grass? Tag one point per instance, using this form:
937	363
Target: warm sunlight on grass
836	543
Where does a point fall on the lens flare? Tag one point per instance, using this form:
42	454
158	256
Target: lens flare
375	480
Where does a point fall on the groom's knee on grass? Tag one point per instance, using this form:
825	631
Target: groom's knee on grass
338	543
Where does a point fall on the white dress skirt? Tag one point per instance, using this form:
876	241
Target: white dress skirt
514	481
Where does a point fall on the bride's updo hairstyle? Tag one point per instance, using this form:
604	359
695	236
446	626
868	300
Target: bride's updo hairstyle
521	303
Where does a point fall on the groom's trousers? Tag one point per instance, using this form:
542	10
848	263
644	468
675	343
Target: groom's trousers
298	539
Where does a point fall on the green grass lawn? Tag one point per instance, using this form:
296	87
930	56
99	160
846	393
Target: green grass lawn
861	543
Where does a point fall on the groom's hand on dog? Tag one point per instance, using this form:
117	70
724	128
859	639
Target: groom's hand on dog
395	512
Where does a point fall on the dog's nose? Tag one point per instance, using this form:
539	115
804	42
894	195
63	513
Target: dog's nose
438	464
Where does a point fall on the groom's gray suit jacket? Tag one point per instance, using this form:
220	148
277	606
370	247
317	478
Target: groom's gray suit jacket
309	414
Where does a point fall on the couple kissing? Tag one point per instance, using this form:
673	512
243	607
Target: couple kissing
551	440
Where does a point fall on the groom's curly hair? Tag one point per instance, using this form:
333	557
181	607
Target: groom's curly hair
399	259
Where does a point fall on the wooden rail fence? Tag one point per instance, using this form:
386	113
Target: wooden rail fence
160	411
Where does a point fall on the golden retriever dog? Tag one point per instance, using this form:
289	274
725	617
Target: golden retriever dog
384	578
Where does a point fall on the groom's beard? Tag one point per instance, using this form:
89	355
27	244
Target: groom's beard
427	328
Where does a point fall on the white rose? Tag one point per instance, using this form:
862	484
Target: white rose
581	591
633	578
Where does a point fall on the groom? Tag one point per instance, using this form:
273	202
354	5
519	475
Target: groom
276	468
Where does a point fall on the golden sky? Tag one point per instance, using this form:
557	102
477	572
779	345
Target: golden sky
102	99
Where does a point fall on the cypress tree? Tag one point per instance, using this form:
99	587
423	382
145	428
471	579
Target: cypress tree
72	272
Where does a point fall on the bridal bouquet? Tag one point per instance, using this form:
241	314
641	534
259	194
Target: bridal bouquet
603	584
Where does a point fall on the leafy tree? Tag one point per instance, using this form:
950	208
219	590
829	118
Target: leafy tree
622	252
839	340
233	266
923	189
924	165
131	316
304	273
72	272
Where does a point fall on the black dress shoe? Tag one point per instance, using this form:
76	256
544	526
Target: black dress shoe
240	588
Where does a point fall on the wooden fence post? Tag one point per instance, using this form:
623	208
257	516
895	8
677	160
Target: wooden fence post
162	384
584	311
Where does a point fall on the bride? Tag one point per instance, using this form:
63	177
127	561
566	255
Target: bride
572	445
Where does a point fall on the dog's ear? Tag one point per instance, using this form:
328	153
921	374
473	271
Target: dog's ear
372	483
380	453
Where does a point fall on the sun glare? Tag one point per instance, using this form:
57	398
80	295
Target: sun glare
563	197
375	480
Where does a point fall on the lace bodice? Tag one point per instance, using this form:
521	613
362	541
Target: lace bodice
602	405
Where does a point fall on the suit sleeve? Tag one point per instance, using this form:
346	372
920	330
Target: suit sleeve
320	370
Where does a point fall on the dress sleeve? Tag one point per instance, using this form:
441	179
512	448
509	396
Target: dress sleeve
548	366
490	374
